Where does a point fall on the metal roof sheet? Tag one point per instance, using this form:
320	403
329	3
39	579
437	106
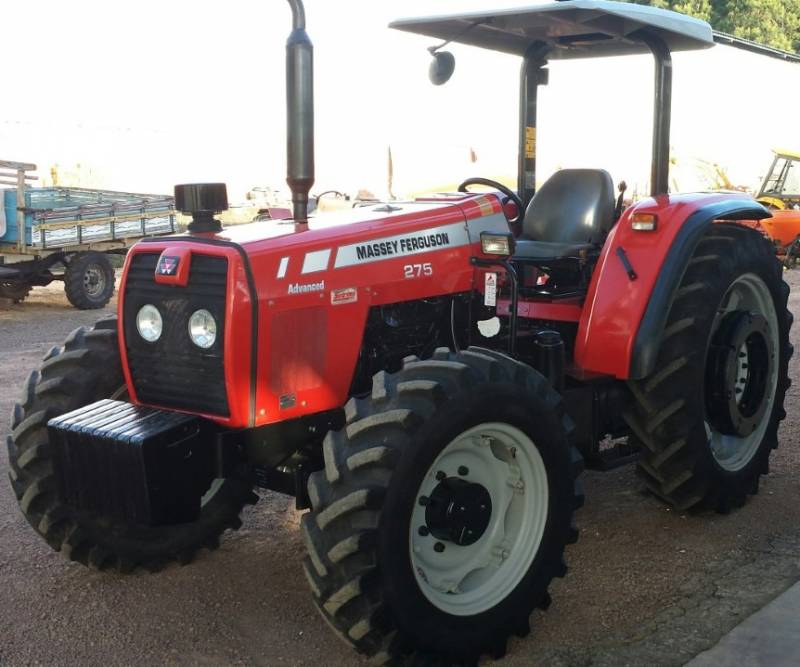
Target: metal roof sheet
573	28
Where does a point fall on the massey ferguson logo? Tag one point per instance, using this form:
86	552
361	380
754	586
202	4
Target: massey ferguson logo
402	246
168	266
443	237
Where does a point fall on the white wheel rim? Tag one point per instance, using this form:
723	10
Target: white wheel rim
747	293
467	580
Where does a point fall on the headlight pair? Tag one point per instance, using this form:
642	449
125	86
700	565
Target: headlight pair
202	326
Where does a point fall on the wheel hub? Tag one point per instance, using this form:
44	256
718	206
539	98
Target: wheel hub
739	365
458	511
94	280
466	561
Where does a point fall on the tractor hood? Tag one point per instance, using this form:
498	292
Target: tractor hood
283	254
333	224
288	302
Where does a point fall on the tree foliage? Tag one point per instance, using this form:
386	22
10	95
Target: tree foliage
772	22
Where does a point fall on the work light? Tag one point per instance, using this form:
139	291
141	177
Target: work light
497	244
644	222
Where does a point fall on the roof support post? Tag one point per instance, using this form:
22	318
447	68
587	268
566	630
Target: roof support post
662	112
532	75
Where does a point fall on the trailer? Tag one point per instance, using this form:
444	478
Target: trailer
69	234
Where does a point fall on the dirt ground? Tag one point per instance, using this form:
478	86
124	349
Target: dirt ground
647	586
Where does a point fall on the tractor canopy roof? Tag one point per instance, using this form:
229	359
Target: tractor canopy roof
573	28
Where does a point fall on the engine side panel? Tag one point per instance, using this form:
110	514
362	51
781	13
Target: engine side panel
619	325
314	299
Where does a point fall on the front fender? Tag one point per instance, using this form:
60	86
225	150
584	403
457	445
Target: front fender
622	322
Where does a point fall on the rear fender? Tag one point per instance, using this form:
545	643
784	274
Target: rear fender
623	319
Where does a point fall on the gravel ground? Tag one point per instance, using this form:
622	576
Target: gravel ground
647	586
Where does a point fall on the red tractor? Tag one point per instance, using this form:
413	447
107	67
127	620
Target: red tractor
422	379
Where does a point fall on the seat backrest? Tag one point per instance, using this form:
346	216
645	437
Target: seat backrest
572	206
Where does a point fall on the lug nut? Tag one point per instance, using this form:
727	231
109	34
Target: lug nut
424	500
463	471
438	547
441	476
423	531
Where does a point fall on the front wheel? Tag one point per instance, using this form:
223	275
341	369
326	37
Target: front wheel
84	370
444	508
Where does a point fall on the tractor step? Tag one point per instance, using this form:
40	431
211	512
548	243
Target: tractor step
132	463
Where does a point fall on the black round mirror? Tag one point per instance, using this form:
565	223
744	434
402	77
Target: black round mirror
442	67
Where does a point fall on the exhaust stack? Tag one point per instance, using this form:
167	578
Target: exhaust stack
299	112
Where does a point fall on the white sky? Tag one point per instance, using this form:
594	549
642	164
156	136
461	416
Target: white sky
147	94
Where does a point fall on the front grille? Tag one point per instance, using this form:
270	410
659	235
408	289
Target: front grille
173	372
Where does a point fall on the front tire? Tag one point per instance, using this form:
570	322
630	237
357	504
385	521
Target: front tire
86	369
706	419
476	428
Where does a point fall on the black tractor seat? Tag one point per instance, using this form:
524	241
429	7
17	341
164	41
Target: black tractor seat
545	250
570	214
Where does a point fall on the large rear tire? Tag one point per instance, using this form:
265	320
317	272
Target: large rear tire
707	417
86	369
467	458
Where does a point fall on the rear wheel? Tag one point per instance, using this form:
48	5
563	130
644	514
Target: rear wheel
89	280
444	508
86	369
707	417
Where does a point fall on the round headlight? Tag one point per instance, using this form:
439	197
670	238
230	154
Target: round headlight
149	323
202	328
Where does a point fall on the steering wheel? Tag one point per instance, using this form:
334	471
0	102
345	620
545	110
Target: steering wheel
497	186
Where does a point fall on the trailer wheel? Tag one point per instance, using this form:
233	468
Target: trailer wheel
89	280
17	292
444	508
86	369
707	417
